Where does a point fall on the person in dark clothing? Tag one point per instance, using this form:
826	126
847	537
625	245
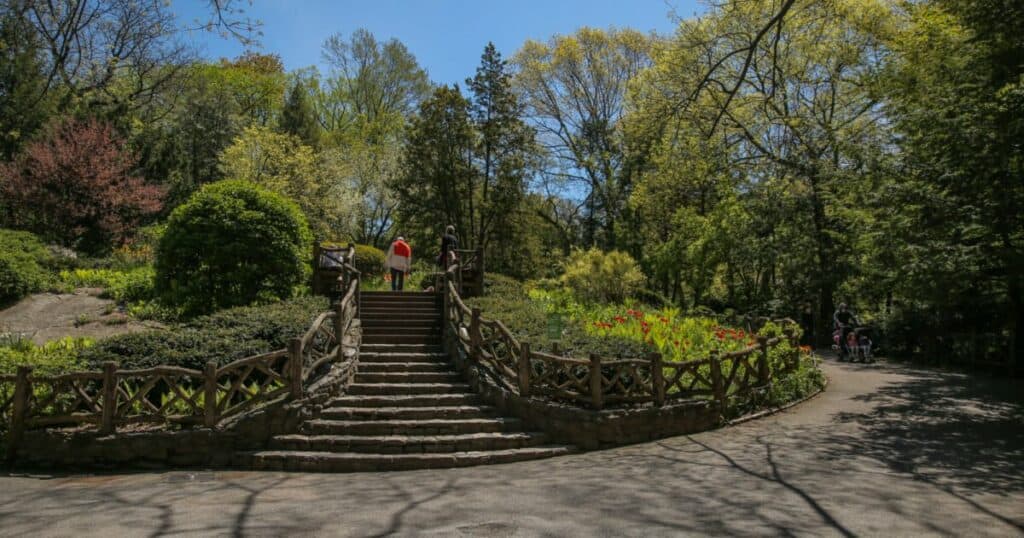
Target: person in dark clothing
449	243
844	321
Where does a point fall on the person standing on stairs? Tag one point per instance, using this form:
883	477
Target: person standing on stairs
449	244
399	261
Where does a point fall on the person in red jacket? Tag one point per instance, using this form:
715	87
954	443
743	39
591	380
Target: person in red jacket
399	261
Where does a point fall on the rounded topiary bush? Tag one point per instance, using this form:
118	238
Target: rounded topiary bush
369	260
232	243
23	260
595	276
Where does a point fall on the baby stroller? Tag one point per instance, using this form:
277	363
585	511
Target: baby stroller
858	343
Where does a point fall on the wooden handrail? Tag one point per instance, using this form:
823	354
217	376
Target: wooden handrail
720	376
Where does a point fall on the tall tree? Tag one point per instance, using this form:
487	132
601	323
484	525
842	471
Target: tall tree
298	117
439	176
504	145
370	82
574	89
956	91
23	106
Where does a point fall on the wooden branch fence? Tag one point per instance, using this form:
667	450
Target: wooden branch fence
163	395
597	381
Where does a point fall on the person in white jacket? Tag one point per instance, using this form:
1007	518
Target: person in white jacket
399	261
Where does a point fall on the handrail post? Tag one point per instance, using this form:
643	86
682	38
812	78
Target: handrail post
657	379
109	409
211	411
295	367
763	375
359	295
793	357
524	369
445	309
717	383
475	336
596	398
339	326
22	391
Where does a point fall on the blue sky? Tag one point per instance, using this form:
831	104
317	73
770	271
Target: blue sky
446	36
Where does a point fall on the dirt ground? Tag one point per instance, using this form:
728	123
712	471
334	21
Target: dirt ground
50	316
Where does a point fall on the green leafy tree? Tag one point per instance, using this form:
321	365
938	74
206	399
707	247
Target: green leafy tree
233	243
953	256
574	88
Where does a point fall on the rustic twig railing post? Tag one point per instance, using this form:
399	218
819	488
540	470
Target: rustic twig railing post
446	305
762	361
657	379
211	414
794	356
295	367
524	369
22	391
339	327
109	409
475	336
359	294
717	383
596	396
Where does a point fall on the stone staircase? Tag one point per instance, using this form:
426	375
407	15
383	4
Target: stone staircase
407	408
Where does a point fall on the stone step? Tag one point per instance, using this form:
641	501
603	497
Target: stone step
283	460
419	318
421	339
401	329
407	377
407	400
432	349
398	310
407	444
407	413
396	389
406	366
400	300
391	358
438	426
404	294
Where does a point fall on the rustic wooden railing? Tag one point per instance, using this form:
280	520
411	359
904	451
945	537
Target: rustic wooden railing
597	381
114	398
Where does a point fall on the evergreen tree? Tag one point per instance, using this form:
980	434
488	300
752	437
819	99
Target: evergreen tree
503	144
23	107
298	118
438	182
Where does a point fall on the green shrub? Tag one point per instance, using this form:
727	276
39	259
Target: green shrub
56	357
369	260
123	286
595	276
507	300
223	337
233	243
23	262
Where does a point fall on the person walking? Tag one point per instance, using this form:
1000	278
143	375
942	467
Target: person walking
449	244
399	261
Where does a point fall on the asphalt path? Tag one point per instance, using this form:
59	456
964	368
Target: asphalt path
886	450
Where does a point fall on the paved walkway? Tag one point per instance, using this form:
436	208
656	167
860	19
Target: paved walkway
887	450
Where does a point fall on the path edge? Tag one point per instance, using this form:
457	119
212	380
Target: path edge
774	410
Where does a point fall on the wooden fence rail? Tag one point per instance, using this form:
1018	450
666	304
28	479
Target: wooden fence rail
164	395
598	381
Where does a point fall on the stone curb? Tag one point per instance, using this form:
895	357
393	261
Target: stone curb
773	410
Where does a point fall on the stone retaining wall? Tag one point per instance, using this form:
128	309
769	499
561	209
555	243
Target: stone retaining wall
222	446
589	429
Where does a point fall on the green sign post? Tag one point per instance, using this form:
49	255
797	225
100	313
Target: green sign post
555	326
